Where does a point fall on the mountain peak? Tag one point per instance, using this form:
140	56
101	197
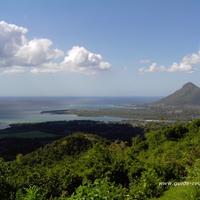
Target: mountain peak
189	85
189	94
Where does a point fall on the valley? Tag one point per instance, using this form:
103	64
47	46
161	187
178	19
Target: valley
137	113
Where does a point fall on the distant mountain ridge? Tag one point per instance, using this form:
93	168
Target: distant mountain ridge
189	94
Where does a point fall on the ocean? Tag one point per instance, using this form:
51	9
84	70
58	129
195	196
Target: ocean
28	109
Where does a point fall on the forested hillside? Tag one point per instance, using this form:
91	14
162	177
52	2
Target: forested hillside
163	164
25	138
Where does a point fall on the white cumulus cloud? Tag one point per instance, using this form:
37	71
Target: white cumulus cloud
153	68
81	59
19	54
12	37
187	64
36	52
16	49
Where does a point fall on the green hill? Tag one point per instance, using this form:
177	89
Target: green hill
85	166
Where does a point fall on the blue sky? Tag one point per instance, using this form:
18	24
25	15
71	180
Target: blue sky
98	47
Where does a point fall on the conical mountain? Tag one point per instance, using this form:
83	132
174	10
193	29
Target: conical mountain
189	94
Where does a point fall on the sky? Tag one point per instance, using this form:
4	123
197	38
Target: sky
98	47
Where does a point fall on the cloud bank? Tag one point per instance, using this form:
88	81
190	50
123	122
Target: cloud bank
187	64
19	54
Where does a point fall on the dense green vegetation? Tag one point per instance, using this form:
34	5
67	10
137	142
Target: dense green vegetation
163	164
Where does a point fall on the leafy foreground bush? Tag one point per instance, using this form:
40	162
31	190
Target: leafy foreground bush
100	190
32	193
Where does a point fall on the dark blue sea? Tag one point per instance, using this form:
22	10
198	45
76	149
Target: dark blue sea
27	109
